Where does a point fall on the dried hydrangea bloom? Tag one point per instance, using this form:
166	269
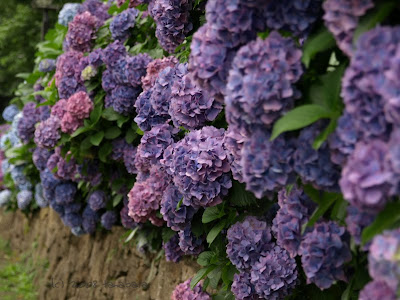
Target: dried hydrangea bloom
184	292
199	166
97	200
26	125
356	221
177	219
80	105
81	32
172	250
10	112
24	198
324	250
67	13
40	157
267	166
108	219
190	106
274	63
122	23
377	290
246	241
315	166
172	21
295	210
366	178
341	17
47	133
242	288
233	144
65	193
295	16
154	68
69	123
274	275
383	258
189	243
145	196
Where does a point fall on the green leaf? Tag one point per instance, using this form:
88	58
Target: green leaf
86	144
104	151
112	133
122	120
110	114
167	234
97	138
339	210
210	214
178	206
323	136
132	234
200	275
228	272
240	197
386	219
117	199
319	42
130	136
204	258
96	114
215	276
215	231
299	117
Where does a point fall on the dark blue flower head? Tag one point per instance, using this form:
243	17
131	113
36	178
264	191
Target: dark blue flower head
172	250
122	23
97	200
108	219
189	243
65	193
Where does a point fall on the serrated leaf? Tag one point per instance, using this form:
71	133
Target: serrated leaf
323	136
110	114
112	133
215	276
167	234
104	151
96	114
385	220
215	231
240	197
97	138
300	117
319	42
210	214
200	275
204	258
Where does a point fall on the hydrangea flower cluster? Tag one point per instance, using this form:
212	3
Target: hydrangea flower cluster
5	197
10	112
41	201
146	116
377	290
81	32
66	170
172	250
273	63
295	208
242	288
341	18
97	200
68	74
122	23
324	250
47	65
67	13
26	125
97	9
233	144
24	198
184	292
189	243
154	68
357	220
199	167
172	20
47	133
109	219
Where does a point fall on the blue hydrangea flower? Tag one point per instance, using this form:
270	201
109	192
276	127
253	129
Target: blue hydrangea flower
5	197
72	220
10	112
67	13
65	193
172	249
47	65
189	243
242	288
108	219
122	23
356	221
97	200
89	220
24	198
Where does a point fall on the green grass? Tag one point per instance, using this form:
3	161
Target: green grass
17	274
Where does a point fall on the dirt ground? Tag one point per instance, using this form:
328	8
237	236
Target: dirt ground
90	267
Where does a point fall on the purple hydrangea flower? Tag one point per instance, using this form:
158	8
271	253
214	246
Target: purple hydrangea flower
246	241
97	8
130	155
315	166
126	220
49	181
233	144
40	157
274	275
173	22
113	53
146	117
10	112
177	219
81	32
184	292
242	288
366	178
190	106
65	170
377	290
324	250
199	167
122	23
189	243
68	75
136	68
47	65
267	166
89	220
24	198
119	147
356	221
26	126
154	68
261	81
295	210
97	200
123	99
79	105
383	258
172	250
67	13
341	17
108	219
47	134
73	207
65	193
72	220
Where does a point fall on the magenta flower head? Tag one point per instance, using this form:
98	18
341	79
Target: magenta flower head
69	123
79	105
377	290
154	68
184	292
81	32
59	109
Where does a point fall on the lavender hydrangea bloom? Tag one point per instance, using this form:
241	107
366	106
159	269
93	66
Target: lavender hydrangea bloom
129	159
108	219
10	112
324	250
113	53
242	288
65	193
26	126
89	220
295	210
47	65
261	81
383	258
190	106
172	250
356	221
126	220
5	197
68	77
341	17
65	170
189	243
47	134
172	21
18	175
146	117
233	144
81	32
297	17
48	180
67	13
246	241
366	178
122	23
72	220
274	275
73	207
136	68
123	99
119	147
154	68
315	166
199	167
41	201
184	292
176	219
97	8
267	166
377	290
24	198
97	200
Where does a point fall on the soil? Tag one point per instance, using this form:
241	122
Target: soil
96	266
